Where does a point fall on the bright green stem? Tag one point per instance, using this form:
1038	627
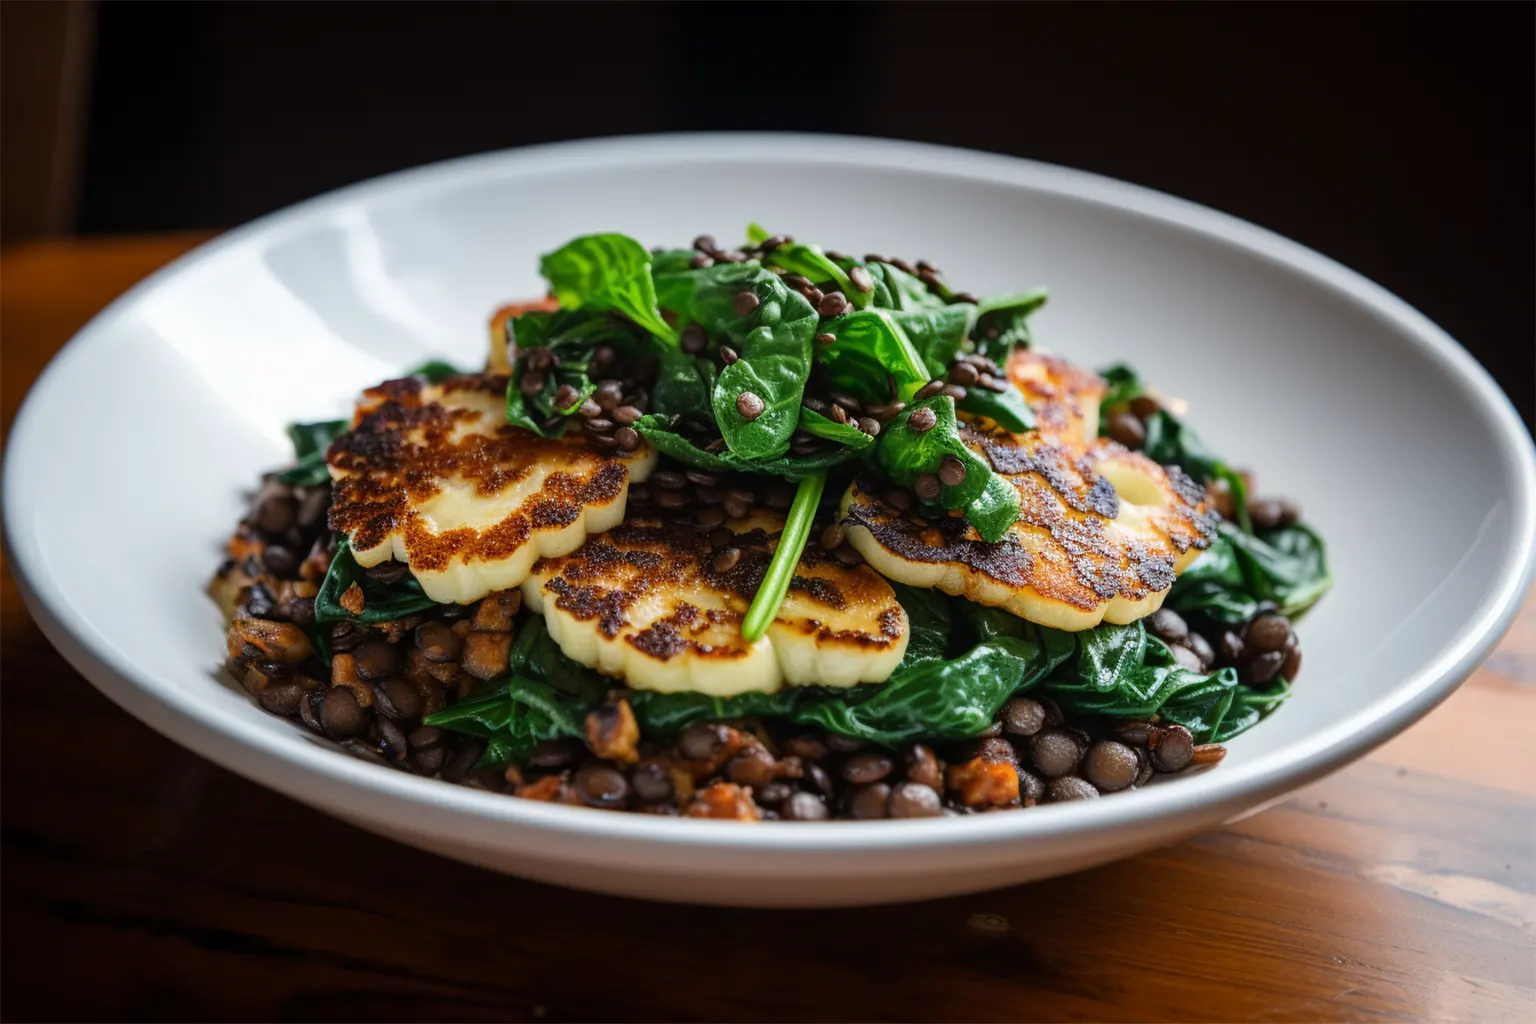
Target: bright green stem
797	527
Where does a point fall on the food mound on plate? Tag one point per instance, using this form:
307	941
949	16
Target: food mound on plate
768	532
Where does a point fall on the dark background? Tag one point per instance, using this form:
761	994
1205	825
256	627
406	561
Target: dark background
1394	138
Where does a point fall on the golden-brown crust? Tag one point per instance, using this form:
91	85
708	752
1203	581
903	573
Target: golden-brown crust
1073	543
1065	398
411	440
613	574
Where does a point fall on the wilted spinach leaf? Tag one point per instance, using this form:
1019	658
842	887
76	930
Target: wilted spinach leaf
901	290
813	422
1006	408
936	333
661	716
1287	566
990	623
533	412
773	345
536	655
791	467
1121	672
936	700
774	364
683	385
310	441
669	261
1002	322
1250	705
950	699
572	335
930	623
1214	587
544	696
870	349
598	273
435	371
990	503
382	602
512	714
809	262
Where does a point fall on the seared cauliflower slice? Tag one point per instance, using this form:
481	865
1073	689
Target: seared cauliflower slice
1102	533
646	602
432	475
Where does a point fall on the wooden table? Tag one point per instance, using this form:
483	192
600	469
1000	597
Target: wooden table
143	882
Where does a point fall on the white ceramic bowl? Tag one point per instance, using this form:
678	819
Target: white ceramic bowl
165	408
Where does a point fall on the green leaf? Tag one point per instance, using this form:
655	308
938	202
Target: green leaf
990	503
544	696
707	297
814	423
661	716
902	290
1214	587
515	714
683	384
669	261
607	272
945	700
936	333
1002	322
791	467
930	623
310	438
531	412
811	263
1108	653
1005	408
1287	565
572	335
871	348
991	623
310	441
536	655
935	700
995	509
1120	672
1249	706
774	365
435	371
773	345
1124	385
382	602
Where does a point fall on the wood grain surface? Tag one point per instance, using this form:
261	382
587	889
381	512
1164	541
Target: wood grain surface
141	882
